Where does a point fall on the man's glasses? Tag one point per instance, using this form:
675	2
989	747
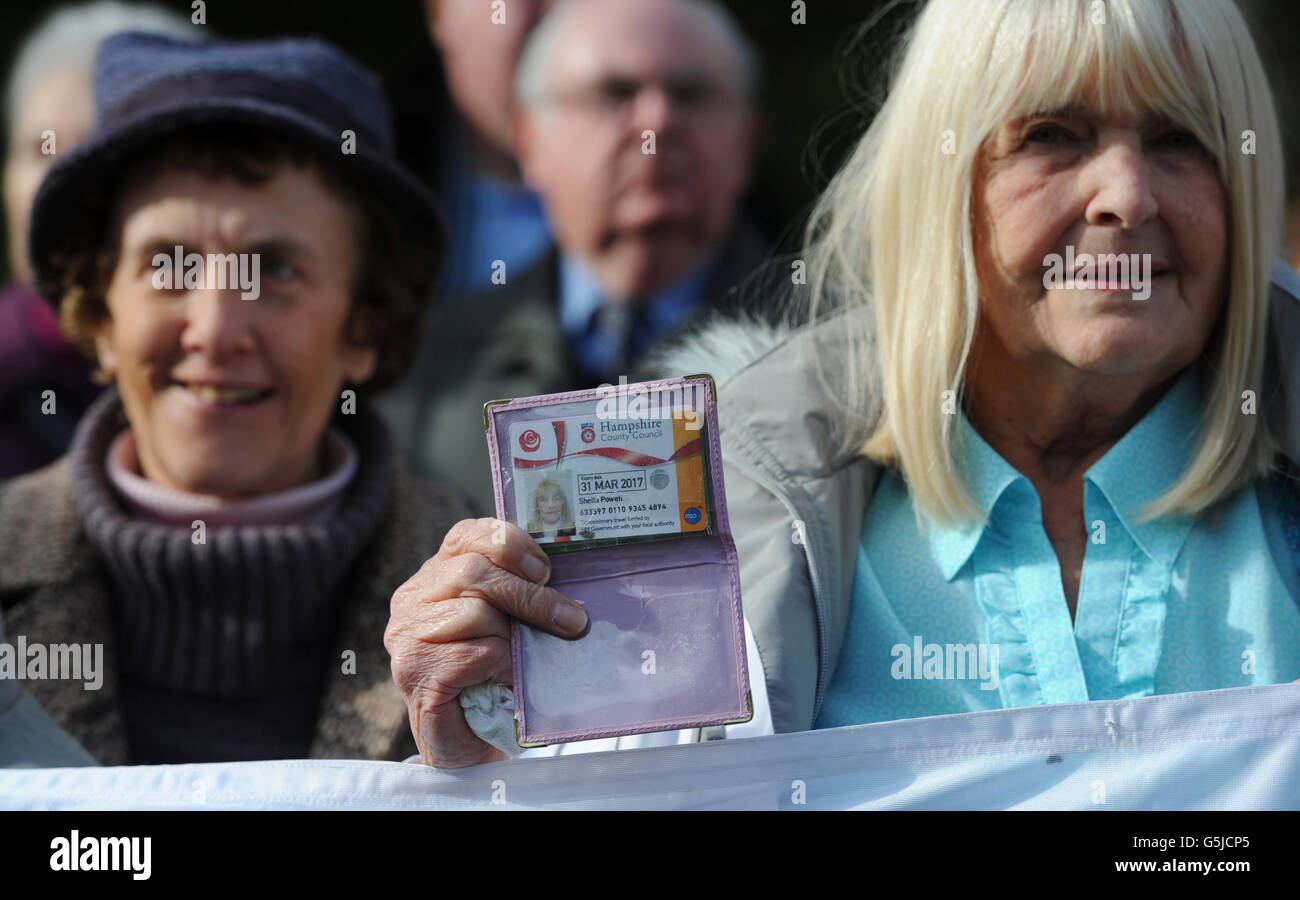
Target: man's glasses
697	100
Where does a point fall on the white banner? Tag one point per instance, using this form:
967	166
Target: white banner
1230	749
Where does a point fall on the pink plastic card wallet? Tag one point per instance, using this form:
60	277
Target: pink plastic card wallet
622	487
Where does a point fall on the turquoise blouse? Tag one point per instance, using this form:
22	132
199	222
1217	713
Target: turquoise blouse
951	620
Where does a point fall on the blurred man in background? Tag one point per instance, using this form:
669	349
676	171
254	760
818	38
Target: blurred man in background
636	125
491	214
50	110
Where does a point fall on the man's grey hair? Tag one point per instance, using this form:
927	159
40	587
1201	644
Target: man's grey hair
532	73
69	38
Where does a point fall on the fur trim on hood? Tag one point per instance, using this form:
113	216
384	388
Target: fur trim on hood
720	346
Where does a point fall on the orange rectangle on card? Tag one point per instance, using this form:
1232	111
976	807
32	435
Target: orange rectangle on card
692	506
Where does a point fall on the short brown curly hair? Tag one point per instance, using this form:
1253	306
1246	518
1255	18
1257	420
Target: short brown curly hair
393	283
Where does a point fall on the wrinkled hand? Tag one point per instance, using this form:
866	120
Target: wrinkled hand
449	628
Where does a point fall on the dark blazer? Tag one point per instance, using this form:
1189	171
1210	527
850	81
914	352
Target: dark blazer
502	343
53	590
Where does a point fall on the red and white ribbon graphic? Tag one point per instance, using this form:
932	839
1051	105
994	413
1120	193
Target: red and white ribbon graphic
628	457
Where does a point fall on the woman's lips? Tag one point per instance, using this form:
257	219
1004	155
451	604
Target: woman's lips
1099	284
210	396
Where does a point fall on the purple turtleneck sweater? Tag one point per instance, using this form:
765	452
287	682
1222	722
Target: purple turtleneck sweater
224	644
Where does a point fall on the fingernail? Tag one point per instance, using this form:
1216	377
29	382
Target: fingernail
536	570
569	618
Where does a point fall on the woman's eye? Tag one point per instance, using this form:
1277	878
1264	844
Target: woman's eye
277	267
1048	134
1179	139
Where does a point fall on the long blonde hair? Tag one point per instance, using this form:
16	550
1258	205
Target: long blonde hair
890	240
535	523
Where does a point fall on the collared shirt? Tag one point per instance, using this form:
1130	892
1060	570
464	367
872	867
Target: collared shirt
581	297
490	220
951	620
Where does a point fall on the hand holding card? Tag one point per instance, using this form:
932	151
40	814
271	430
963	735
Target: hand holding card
622	487
450	628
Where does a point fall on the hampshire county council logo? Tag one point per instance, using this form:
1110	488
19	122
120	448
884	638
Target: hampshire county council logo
588	435
529	441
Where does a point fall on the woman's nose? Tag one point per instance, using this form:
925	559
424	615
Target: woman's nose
1118	182
218	322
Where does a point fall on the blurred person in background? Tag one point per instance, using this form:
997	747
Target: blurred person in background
1277	24
637	126
454	109
230	521
49	110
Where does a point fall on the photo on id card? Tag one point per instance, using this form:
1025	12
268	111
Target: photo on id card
622	487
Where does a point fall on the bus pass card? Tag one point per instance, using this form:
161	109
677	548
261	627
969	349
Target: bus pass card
587	478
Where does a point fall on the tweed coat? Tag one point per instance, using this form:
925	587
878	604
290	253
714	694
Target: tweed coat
54	589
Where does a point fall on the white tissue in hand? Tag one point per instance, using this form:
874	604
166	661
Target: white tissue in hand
489	712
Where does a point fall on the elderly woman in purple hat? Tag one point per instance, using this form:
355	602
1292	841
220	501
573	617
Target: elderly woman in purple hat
238	251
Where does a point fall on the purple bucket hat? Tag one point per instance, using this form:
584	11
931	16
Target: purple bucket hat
149	87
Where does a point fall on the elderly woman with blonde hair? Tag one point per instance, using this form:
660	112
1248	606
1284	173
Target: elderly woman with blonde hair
551	516
1033	445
